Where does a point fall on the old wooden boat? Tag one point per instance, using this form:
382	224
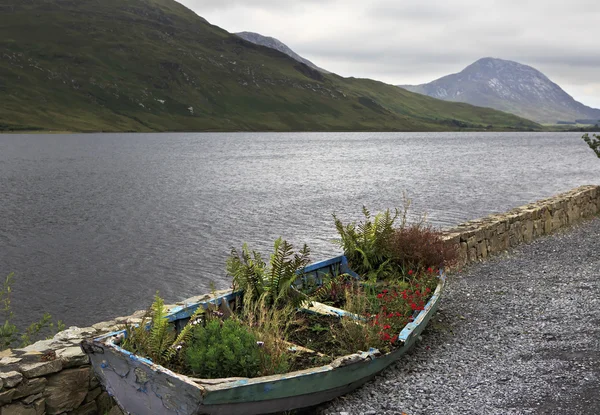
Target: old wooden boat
141	387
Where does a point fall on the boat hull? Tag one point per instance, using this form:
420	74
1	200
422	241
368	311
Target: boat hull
141	387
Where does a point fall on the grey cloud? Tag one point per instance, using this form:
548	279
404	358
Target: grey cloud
426	10
413	41
212	5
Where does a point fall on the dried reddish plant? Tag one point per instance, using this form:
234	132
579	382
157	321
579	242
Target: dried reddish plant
421	246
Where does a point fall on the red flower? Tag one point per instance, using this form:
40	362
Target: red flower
387	327
430	270
379	295
410	272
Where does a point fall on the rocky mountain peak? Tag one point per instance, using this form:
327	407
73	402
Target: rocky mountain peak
276	44
508	86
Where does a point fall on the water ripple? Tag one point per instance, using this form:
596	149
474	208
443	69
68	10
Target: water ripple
94	225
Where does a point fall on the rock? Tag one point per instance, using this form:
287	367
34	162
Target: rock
35	356
34	370
72	356
30	387
105	326
66	390
44	346
11	379
89	408
116	411
105	403
93	380
7	396
18	409
74	334
40	406
30	399
6	353
5	361
93	394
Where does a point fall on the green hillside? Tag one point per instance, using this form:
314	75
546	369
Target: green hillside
154	65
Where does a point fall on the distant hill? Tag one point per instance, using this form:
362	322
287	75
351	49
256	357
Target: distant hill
154	65
276	44
508	86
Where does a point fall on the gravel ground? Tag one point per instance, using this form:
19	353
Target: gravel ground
518	334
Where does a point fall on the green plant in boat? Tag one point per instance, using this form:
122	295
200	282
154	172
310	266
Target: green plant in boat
155	337
270	284
223	349
366	244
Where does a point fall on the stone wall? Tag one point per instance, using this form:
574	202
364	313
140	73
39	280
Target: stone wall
54	376
496	233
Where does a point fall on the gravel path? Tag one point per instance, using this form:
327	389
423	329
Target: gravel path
518	334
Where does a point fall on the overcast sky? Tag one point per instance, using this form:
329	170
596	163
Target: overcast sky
417	41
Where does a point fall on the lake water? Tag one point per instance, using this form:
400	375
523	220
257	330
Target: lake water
93	225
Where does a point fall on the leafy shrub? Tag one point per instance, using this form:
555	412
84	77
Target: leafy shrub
366	244
223	349
10	335
594	143
272	284
420	246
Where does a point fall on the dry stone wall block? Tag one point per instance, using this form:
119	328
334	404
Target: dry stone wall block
105	403
72	356
34	370
482	249
115	411
89	408
67	390
30	387
93	394
6	396
11	379
18	409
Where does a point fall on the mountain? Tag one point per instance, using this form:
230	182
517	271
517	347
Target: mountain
276	44
508	86
154	65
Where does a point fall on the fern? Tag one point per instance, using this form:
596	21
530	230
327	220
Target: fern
162	334
366	244
270	284
248	272
155	338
